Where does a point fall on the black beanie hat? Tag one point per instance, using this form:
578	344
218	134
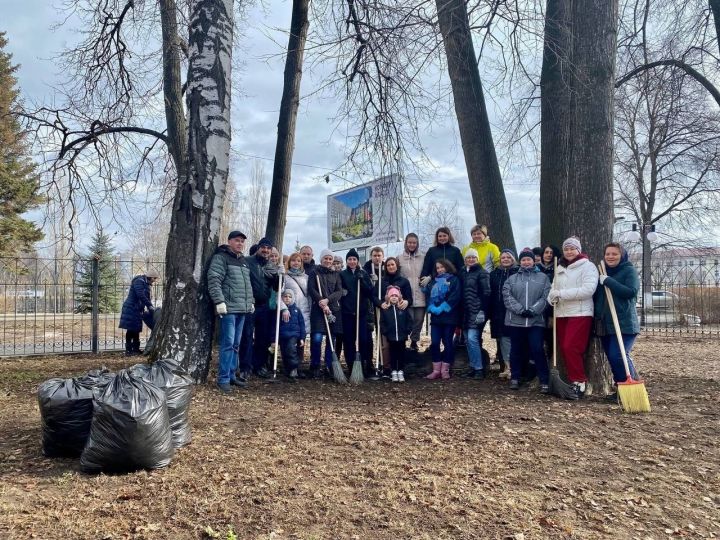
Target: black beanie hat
352	253
526	252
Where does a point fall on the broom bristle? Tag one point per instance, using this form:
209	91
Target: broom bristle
337	370
560	388
356	375
633	397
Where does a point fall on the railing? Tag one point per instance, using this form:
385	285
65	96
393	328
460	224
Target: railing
685	299
54	306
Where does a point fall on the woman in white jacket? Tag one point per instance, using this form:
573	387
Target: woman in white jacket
572	295
297	281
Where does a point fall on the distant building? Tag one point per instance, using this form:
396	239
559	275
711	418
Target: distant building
683	266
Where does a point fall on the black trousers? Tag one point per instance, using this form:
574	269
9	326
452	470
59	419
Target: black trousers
397	355
132	341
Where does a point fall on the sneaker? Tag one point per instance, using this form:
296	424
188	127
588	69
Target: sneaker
579	389
394	376
238	383
293	376
470	373
612	397
514	384
400	376
504	374
544	389
224	388
242	376
314	373
479	375
263	373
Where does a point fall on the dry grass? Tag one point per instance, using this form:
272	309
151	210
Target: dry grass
456	459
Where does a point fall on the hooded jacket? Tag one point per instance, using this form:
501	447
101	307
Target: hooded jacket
476	294
576	284
137	300
229	280
527	289
624	284
488	253
295	327
411	265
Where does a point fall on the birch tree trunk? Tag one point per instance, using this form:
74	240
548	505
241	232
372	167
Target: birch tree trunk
577	135
289	104
481	161
186	327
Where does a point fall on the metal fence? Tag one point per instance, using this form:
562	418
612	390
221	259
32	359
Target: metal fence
54	306
685	299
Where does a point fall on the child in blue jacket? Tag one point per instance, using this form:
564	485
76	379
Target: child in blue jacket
292	334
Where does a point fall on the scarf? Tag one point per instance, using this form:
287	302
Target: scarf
440	289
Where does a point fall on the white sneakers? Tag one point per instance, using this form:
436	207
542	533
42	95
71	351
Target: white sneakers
397	376
401	376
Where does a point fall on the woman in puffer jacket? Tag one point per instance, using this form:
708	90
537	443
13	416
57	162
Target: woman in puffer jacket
571	295
524	295
444	295
476	300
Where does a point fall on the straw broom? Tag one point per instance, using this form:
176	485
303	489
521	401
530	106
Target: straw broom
632	394
557	386
337	370
356	376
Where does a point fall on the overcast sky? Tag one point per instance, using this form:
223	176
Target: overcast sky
32	41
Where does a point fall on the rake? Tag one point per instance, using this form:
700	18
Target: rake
338	373
556	385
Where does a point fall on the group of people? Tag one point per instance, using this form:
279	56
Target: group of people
371	311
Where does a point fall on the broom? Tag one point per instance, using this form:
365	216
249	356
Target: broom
632	393
556	385
356	376
274	378
378	338
337	370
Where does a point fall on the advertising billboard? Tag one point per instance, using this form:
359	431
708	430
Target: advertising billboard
365	215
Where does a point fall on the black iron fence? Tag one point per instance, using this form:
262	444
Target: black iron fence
684	299
53	306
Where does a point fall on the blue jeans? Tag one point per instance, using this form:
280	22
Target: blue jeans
442	333
524	339
231	329
315	347
473	342
612	350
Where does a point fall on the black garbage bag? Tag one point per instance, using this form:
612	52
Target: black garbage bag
150	343
66	410
130	427
169	376
97	377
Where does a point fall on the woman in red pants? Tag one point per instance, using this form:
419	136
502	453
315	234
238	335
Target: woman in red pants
572	291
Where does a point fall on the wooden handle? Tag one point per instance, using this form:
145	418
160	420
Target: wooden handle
357	318
277	323
554	318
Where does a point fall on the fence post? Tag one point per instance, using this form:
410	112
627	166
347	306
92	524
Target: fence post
95	304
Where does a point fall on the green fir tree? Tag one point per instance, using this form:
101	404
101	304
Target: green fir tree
108	293
18	177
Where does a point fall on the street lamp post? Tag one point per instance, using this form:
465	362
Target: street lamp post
645	233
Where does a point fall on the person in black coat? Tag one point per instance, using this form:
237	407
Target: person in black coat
547	265
498	277
444	248
325	303
396	326
476	300
353	278
136	309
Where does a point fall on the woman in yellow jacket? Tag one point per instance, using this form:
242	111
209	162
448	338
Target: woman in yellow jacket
488	253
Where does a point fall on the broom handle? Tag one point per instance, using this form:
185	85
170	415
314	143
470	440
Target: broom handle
327	324
357	318
379	334
277	323
554	319
616	323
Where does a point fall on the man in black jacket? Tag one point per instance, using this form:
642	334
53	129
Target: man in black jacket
354	277
264	278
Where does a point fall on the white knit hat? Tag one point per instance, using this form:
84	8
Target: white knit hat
574	242
471	252
325	253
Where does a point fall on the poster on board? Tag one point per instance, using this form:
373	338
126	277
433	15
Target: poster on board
365	215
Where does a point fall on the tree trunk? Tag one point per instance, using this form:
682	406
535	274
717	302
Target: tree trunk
289	104
576	188
186	328
715	8
483	170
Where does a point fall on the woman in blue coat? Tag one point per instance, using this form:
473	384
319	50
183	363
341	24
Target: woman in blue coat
444	294
136	309
622	280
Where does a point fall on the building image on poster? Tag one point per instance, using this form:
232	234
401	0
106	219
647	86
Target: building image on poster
365	215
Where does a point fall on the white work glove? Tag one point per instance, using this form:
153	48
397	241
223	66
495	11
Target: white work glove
424	281
480	317
554	296
221	309
373	278
602	278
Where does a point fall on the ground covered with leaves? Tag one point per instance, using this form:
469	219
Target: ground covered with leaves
426	459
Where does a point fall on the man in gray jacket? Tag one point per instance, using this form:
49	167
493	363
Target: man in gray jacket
230	289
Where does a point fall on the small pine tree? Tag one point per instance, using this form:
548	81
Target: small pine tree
108	297
18	176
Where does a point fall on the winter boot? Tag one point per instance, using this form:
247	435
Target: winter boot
445	370
435	372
